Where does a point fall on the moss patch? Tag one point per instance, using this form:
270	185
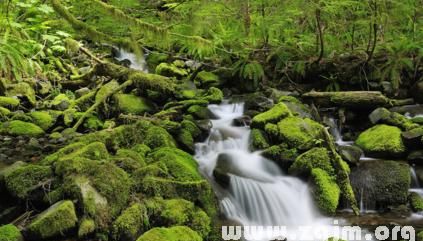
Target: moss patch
9	102
381	140
258	139
86	227
130	223
177	233
314	158
275	114
300	133
132	104
21	128
10	232
43	119
416	202
326	191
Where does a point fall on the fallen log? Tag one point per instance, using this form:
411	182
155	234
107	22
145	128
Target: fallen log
354	99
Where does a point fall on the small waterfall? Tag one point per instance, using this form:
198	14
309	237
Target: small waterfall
136	62
259	193
336	132
414	180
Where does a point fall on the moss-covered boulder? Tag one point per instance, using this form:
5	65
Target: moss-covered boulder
273	115
21	128
281	154
300	133
131	223
381	183
22	90
317	157
416	202
60	102
170	70
207	79
53	222
25	179
43	119
158	137
175	212
187	135
384	116
199	112
326	191
9	102
213	95
296	107
132	104
10	232
86	227
381	141
4	112
259	139
177	233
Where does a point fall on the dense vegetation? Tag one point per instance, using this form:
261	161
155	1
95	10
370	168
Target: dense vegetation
104	149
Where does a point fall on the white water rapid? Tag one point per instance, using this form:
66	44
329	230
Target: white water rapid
137	62
258	193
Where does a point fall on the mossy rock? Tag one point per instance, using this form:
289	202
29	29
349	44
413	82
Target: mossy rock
175	212
4	112
132	104
300	133
381	141
24	179
213	95
61	102
43	119
295	106
317	157
416	202
177	233
106	89
158	137
21	128
9	102
22	90
10	232
282	155
131	223
93	123
326	191
207	79
258	139
384	116
199	112
275	114
86	227
170	70
53	222
155	58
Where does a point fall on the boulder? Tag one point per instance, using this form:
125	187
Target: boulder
259	139
281	154
244	120
416	157
205	79
350	154
53	222
132	104
86	227
300	133
416	202
21	128
273	115
10	232
170	70
326	192
22	90
413	138
296	107
381	183
382	141
60	102
43	119
384	116
177	233
131	223
317	157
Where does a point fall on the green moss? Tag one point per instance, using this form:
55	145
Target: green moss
326	191
10	232
384	116
177	233
43	119
416	202
272	131
22	89
200	112
141	149
170	70
106	89
175	212
86	227
314	158
9	102
213	95
61	102
158	137
191	127
186	140
92	122
185	104
187	94
207	79
420	236
275	114
132	104
300	133
287	98
130	223
281	154
21	128
259	139
24	179
4	112
381	140
155	58
55	221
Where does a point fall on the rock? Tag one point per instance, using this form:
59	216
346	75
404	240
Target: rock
296	107
412	110
23	180
205	79
417	120
60	102
22	90
326	192
86	228
417	91
213	95
205	127
4	112
350	154
244	120
132	104
416	157
9	102
300	133
412	138
259	139
384	116
416	202
255	102
9	169
53	222
170	70
273	115
317	157
10	232
200	112
176	233
83	91
158	137
282	155
381	183
382	141
131	223
43	119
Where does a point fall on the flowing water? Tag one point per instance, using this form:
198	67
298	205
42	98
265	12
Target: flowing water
258	193
136	62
